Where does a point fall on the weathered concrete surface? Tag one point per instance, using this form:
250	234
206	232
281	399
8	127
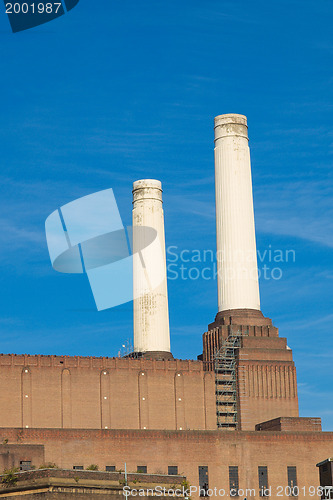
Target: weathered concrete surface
236	246
151	314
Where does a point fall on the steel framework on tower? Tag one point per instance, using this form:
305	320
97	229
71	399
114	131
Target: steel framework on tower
228	382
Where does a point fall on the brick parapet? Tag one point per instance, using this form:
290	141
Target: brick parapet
97	476
39	360
21	436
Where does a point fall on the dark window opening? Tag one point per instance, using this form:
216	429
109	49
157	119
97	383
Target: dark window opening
203	481
233	481
110	468
263	481
78	467
326	479
172	470
142	469
292	481
25	464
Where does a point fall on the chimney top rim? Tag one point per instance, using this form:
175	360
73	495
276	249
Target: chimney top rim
147	183
230	118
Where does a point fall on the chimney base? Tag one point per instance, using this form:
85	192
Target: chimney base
249	317
157	355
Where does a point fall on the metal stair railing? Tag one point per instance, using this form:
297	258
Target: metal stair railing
226	383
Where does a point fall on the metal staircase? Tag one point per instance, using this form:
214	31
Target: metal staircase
227	382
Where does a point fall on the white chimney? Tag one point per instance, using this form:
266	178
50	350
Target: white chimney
238	286
151	314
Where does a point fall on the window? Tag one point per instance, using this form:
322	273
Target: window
78	467
172	470
110	468
203	480
142	469
25	465
233	481
292	481
263	481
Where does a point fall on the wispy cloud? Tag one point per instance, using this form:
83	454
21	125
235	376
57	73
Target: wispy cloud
302	209
24	207
312	390
309	324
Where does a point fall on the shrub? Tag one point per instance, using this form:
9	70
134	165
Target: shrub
92	467
48	465
10	477
186	485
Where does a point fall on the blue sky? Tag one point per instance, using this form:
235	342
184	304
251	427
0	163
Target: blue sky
117	91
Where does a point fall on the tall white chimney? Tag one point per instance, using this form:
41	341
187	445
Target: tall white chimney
151	314
238	286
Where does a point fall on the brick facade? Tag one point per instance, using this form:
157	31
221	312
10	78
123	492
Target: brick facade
188	450
289	424
105	393
76	411
12	454
266	374
49	484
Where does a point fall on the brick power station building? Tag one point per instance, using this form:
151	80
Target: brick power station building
228	420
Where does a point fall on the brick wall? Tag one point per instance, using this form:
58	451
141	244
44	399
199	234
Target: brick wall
189	449
64	484
12	454
95	393
289	424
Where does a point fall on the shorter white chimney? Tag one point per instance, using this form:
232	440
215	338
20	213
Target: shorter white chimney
151	314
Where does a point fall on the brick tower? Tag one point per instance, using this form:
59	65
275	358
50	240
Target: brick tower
255	376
